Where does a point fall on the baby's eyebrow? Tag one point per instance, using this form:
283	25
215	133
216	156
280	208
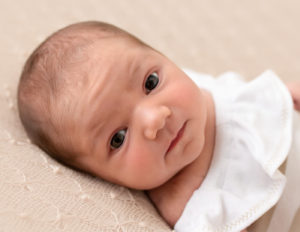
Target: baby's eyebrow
98	136
134	68
98	119
131	77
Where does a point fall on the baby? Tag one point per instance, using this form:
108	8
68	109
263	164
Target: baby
101	101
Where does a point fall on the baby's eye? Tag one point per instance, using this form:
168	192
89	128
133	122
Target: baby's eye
118	139
151	82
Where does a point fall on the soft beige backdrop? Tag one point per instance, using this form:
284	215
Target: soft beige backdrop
37	193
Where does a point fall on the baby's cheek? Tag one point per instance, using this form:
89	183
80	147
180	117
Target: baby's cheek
143	172
138	161
187	89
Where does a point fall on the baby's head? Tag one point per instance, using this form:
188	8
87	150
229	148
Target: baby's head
99	100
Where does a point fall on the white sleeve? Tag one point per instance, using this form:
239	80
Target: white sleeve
254	134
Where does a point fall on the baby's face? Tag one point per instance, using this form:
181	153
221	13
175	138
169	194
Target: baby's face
146	117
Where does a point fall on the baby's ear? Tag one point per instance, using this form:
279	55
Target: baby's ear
297	105
294	88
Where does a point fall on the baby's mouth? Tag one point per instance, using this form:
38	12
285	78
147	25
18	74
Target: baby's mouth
177	138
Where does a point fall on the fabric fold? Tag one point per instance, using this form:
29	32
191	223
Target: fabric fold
253	137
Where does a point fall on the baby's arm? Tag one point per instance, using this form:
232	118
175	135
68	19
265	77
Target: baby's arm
171	197
294	88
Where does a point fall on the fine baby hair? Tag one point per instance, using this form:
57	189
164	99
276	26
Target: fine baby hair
51	77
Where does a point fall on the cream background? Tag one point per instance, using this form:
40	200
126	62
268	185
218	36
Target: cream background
37	193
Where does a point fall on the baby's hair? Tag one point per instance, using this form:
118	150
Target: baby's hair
46	90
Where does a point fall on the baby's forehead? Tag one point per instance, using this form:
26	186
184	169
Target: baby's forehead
111	69
108	58
106	89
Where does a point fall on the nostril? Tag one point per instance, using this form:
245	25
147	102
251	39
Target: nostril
166	111
150	134
154	119
157	122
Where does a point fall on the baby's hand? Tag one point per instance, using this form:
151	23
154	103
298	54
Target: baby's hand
171	197
170	200
294	88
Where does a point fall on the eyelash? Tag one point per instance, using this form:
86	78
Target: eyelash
146	92
146	78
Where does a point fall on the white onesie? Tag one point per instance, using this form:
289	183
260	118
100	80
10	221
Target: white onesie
253	138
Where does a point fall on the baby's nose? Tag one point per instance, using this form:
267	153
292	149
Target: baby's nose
154	120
